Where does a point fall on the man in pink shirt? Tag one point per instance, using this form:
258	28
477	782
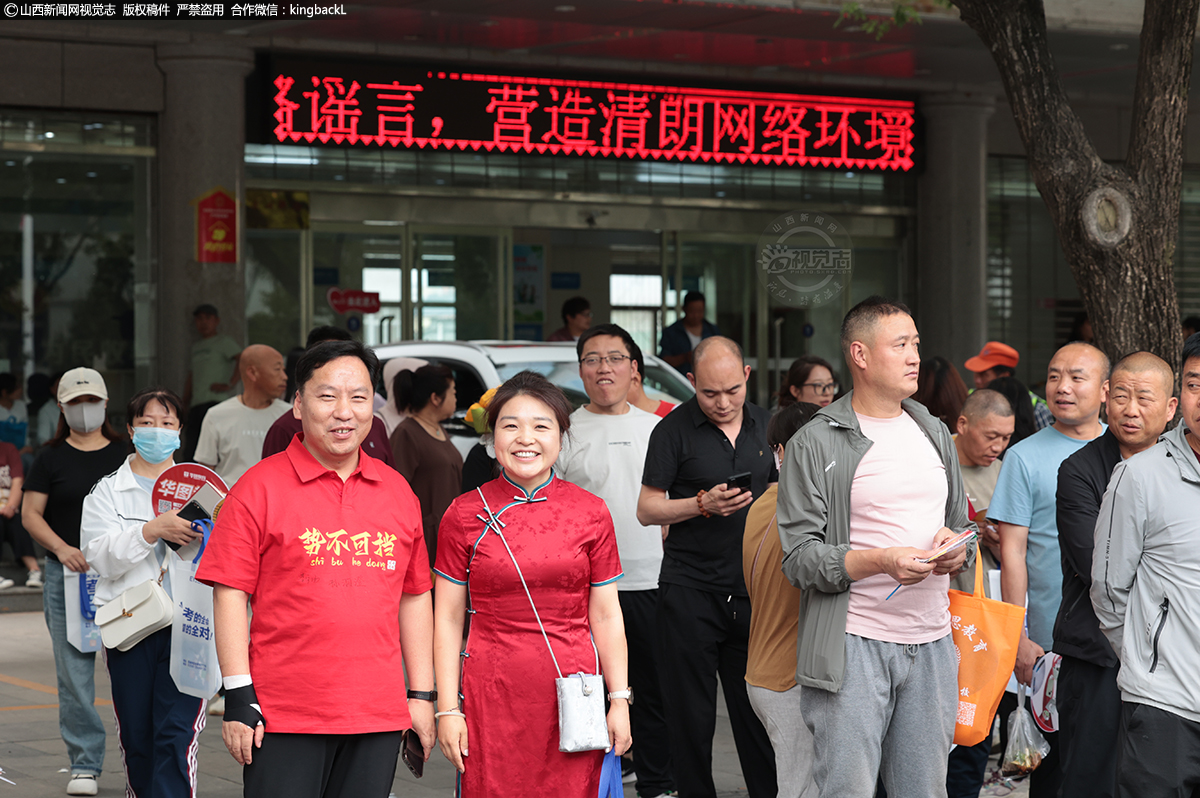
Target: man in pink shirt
872	488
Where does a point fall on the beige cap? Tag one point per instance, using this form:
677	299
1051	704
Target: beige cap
81	382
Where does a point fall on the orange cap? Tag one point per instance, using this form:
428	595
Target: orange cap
993	354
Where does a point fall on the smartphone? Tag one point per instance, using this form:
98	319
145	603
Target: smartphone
413	753
741	480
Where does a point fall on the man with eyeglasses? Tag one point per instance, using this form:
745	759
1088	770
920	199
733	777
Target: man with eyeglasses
604	454
703	606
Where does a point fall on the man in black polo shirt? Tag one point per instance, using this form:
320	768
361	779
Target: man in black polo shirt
1089	702
703	610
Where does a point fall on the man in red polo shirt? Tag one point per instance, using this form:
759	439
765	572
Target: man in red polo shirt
326	545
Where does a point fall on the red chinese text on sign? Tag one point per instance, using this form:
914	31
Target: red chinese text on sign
512	113
216	227
338	114
399	114
179	483
569	118
350	300
593	118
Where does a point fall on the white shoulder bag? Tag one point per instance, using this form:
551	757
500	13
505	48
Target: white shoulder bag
134	615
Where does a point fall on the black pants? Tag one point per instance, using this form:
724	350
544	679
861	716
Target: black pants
703	634
13	531
967	769
159	727
323	766
1089	725
652	753
1160	754
191	431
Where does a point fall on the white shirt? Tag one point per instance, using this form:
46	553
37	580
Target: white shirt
110	535
14	424
232	435
605	455
47	423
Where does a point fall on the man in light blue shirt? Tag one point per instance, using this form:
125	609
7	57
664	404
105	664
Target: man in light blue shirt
1025	507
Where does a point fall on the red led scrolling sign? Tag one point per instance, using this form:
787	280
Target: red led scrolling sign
496	113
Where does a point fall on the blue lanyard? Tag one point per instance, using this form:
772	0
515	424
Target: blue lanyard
204	526
86	607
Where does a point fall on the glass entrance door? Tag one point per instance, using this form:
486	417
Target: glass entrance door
350	266
387	282
458	283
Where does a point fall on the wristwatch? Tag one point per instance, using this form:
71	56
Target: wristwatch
627	694
423	695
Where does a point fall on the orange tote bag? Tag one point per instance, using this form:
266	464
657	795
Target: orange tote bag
986	633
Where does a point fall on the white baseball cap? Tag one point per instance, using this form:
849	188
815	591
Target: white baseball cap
81	382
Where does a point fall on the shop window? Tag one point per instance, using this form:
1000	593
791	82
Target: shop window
78	286
572	174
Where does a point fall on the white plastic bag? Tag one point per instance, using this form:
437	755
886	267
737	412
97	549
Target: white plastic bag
79	590
1026	746
193	643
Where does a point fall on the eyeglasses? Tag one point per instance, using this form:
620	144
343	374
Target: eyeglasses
821	388
592	361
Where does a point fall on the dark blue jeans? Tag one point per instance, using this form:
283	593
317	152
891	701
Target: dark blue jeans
159	727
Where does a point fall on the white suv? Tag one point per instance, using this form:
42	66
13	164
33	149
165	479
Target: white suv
480	365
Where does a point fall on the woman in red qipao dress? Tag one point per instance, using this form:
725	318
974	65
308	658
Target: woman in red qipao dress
504	737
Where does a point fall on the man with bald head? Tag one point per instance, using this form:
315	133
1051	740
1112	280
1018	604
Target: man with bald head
231	438
1140	403
1024	505
1144	591
871	488
984	429
703	609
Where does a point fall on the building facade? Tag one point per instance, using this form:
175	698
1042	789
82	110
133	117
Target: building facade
407	173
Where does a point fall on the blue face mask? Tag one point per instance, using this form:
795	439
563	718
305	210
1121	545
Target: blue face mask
155	444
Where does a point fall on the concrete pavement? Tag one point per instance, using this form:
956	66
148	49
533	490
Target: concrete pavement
33	755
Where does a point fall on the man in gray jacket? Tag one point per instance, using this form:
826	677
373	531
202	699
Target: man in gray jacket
1146	580
872	487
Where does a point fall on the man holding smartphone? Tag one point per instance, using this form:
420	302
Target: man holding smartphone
703	608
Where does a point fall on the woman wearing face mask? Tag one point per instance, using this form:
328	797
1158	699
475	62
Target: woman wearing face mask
84	449
127	545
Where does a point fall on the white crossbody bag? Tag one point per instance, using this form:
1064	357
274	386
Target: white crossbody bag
136	614
582	725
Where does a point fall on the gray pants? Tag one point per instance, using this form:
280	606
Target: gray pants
793	742
894	717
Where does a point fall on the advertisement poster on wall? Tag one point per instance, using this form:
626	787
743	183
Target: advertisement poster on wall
216	227
529	291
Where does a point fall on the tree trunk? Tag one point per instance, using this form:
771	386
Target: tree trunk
1118	224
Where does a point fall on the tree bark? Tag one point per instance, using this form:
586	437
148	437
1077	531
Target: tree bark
1118	225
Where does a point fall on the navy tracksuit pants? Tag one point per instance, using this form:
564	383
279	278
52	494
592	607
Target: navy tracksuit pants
158	726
